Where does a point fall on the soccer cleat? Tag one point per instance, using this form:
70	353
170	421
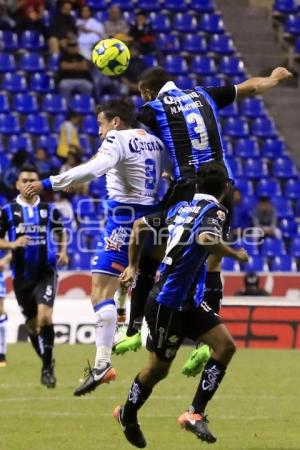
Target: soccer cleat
132	431
128	343
95	377
47	376
196	362
3	360
197	424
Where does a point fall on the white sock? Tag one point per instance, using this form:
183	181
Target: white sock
106	320
3	333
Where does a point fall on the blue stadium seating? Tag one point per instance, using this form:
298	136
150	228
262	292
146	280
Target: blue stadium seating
285	6
90	125
247	148
292	189
42	83
194	43
37	124
25	103
292	25
81	261
263	128
229	111
232	66
203	65
284	168
272	148
9	40
251	247
268	187
154	5
54	104
212	24
174	6
56	121
97	188
185	82
176	65
283	264
255	264
202	6
213	80
161	23
273	247
9	123
229	264
32	40
168	43
295	247
125	5
236	167
283	207
48	142
7	62
19	141
252	107
4	103
150	60
83	104
289	228
245	186
3	199
14	82
97	4
221	44
228	147
255	169
32	62
53	62
236	127
185	23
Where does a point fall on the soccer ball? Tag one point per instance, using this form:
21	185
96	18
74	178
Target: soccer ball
111	56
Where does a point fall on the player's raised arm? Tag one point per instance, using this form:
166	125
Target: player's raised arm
259	85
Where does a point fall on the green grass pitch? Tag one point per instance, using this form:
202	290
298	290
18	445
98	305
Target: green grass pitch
257	406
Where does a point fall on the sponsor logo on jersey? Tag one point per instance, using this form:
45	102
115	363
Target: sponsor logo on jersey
136	145
24	228
116	239
43	213
221	215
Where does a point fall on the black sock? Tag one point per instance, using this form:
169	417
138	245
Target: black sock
143	284
47	335
213	293
212	376
137	396
36	344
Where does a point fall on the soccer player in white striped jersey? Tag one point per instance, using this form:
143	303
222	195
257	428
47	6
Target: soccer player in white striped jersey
132	160
4	261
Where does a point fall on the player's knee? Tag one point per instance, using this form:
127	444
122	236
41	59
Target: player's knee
31	326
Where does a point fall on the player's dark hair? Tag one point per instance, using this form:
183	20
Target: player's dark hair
120	107
212	178
28	168
154	78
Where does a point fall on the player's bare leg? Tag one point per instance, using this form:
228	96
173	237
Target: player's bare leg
3	334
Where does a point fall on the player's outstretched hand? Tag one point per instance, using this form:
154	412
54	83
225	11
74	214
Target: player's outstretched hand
33	188
281	73
242	255
126	278
62	259
22	241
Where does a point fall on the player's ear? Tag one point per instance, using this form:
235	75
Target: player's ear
116	122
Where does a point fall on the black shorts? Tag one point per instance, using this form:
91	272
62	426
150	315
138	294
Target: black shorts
31	294
169	327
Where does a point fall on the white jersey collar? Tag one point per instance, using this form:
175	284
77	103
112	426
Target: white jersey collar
167	87
208	197
23	203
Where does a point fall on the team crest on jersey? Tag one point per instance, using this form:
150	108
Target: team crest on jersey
116	239
221	215
43	213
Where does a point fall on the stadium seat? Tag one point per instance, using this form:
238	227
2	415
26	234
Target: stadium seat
232	66
81	261
137	101
154	5
37	124
82	104
125	5
54	104
3	199
203	65
184	23
49	142
289	228
295	247
236	127
85	143
32	62
56	121
90	125
236	79
236	166
283	207
283	264
263	128
228	147
250	202
272	148
229	111
150	60
185	82
19	141
255	169
7	62
42	83
4	103
292	25
284	168
212	24
9	123
174	6
229	264
53	63
97	188
268	187
273	247
213	80
252	107
25	103
292	189
194	43
255	264
32	40
176	65
221	44
168	43
245	186
247	148
14	82
9	40
161	23
251	246
202	6
97	4
285	6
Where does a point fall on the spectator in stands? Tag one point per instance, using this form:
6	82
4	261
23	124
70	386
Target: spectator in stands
90	31
265	218
116	26
240	214
29	15
62	26
141	31
42	162
74	159
68	135
251	283
129	81
6	22
74	72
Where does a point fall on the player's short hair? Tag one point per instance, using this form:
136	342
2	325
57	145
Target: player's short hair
154	78
28	168
212	178
119	107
